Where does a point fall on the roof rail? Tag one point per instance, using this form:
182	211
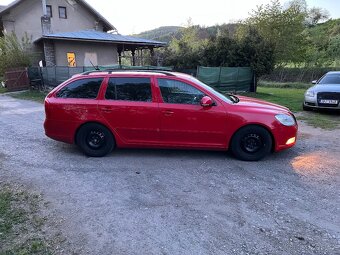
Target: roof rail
110	71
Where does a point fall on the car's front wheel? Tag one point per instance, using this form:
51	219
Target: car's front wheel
251	143
95	140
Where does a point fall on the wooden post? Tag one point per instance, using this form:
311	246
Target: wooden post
152	55
119	50
133	53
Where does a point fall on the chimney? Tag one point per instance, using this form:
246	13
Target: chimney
43	2
45	20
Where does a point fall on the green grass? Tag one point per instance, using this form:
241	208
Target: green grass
289	97
33	95
293	98
20	223
2	90
321	120
293	85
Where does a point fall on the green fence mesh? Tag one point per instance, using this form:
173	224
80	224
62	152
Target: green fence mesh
227	79
55	75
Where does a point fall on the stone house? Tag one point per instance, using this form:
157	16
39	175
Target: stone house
69	33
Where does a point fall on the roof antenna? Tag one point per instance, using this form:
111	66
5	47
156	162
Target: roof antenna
95	67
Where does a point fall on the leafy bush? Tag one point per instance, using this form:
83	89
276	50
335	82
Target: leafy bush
14	53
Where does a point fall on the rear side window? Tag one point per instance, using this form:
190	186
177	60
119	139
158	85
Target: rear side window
129	89
85	88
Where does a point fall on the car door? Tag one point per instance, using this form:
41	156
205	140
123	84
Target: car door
184	122
130	110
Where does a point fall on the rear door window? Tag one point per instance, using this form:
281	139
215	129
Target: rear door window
84	88
129	89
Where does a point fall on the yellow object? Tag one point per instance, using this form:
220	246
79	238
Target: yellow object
71	59
290	141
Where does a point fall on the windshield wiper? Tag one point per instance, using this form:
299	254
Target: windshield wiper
234	98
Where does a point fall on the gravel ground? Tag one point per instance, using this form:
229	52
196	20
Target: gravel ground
178	202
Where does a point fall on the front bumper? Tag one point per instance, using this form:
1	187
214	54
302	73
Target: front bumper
317	103
285	137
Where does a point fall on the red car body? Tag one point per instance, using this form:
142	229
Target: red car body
158	124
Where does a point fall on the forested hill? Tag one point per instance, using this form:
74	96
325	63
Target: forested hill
167	33
163	34
327	29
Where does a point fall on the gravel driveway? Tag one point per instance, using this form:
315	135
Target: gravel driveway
178	202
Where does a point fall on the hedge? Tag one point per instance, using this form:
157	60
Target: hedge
298	74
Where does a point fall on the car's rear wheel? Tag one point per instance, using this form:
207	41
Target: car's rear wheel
251	143
95	140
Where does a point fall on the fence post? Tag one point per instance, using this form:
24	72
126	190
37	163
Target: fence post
236	84
219	77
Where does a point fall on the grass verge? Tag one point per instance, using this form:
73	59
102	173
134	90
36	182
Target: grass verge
293	98
33	95
282	85
20	223
324	120
2	90
289	97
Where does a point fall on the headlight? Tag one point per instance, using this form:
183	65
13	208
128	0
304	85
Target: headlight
310	93
285	119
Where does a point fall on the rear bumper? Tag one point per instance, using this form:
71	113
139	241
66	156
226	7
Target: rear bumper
59	131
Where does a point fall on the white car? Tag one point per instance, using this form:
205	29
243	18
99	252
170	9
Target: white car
325	94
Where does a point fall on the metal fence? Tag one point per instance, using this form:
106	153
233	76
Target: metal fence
55	75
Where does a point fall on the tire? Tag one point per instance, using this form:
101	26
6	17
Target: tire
251	143
95	140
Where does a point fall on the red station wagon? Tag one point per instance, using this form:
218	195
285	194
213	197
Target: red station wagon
101	110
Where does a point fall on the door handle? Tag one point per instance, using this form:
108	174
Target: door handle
168	113
106	109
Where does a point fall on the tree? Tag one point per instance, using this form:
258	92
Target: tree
250	50
282	27
184	52
256	52
334	49
316	14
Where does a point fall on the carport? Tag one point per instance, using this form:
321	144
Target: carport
106	47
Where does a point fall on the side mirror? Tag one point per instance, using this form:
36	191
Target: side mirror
206	101
314	82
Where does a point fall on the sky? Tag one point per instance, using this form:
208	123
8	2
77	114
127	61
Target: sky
135	16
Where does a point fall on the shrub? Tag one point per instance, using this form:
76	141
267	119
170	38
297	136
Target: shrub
14	53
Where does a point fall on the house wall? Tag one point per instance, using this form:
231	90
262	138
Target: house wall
26	18
98	53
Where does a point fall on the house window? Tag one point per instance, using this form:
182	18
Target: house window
62	12
49	10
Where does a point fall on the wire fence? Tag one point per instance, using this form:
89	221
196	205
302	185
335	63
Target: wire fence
226	79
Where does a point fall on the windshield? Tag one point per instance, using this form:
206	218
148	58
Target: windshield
330	79
226	98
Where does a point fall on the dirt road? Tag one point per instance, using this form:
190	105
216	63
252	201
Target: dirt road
178	202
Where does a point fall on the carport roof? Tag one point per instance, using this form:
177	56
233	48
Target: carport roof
98	36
